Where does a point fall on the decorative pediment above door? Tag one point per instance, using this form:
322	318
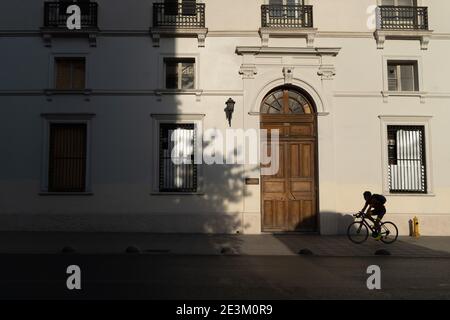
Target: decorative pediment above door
322	58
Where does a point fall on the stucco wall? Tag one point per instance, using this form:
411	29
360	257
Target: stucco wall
123	72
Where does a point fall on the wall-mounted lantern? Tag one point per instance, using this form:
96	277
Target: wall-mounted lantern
229	110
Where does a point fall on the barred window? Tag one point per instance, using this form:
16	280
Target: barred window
407	159
177	170
67	157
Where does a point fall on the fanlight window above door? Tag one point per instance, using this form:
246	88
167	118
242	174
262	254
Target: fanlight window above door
286	102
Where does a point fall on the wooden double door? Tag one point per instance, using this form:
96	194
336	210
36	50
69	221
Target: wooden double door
289	197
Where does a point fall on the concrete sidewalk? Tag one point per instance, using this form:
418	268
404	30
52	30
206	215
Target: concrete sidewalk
197	244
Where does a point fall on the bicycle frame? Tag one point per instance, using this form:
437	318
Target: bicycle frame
364	220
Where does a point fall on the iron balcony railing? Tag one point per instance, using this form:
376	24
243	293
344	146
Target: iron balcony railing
179	15
55	14
286	16
402	18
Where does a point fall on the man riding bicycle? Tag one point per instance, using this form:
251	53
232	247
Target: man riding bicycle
374	206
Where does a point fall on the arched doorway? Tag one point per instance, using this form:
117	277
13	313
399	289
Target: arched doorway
289	198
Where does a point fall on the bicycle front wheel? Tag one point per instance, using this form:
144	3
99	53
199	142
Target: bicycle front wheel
357	232
389	232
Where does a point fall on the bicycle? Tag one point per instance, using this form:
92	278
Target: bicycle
358	231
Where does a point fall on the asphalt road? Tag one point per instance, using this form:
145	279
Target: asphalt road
156	276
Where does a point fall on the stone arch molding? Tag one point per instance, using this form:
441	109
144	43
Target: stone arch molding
316	96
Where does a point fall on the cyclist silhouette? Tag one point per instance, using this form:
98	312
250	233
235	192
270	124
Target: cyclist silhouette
374	206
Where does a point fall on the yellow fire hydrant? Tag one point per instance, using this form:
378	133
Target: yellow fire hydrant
416	232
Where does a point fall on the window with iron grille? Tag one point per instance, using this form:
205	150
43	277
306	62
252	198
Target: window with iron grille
177	170
407	159
403	76
67	157
70	73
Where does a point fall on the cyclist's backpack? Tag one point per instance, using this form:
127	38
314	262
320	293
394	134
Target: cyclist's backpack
379	198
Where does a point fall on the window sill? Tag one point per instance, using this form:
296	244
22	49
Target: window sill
66	193
419	94
421	195
64	30
198	93
177	194
52	92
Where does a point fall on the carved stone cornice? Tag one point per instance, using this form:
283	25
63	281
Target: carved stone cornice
288	73
288	51
159	32
49	33
268	32
248	71
327	72
423	35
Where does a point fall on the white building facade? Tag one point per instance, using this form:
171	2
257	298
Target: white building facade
357	89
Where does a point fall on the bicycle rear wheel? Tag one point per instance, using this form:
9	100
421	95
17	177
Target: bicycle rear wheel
389	232
357	232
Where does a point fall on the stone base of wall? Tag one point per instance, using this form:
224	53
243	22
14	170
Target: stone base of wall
429	224
225	223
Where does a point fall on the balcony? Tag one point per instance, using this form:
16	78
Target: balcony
278	16
403	18
55	21
55	15
287	21
179	20
402	22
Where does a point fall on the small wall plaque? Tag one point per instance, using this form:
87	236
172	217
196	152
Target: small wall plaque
252	181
